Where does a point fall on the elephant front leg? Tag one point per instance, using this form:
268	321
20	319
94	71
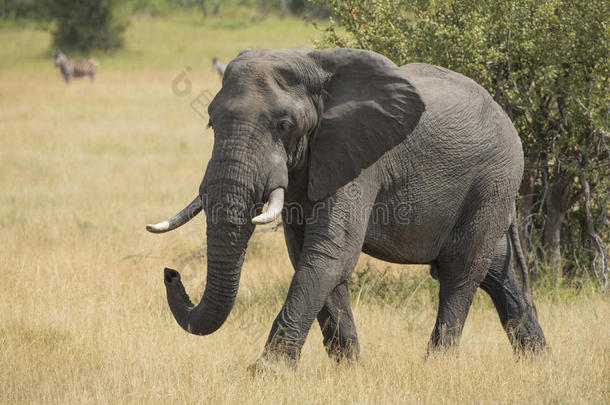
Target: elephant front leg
306	297
331	246
338	328
335	318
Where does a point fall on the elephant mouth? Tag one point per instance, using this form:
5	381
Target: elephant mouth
296	152
273	212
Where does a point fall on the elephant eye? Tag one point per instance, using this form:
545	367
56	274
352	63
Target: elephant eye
284	126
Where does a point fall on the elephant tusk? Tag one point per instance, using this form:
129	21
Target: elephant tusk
181	218
274	209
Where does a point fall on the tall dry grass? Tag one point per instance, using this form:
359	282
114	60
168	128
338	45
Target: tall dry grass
83	317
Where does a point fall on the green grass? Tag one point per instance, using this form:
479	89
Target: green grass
83	314
173	42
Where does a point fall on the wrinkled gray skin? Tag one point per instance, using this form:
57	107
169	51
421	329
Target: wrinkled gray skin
410	165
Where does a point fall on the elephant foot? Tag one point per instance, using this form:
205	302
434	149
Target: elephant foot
526	337
263	367
532	345
342	357
444	351
271	366
445	339
343	351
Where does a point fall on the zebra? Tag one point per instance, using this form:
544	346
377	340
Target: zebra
69	69
218	66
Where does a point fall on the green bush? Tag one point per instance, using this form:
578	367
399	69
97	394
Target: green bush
546	63
215	7
21	9
84	25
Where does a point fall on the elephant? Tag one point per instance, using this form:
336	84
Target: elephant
412	165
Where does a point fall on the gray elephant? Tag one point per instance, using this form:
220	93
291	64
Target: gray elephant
415	164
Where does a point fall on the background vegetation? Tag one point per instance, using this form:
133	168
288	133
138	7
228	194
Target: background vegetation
546	63
83	26
83	314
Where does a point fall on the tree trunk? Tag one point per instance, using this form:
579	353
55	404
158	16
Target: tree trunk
284	8
528	198
204	8
557	204
599	243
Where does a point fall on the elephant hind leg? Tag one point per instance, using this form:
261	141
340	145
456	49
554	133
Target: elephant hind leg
457	289
517	317
338	328
464	262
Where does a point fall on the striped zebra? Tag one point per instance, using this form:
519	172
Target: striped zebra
79	68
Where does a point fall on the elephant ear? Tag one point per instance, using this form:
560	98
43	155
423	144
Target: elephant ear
368	107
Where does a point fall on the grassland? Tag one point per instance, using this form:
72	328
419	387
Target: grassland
83	316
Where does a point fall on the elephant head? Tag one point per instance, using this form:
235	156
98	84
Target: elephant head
329	114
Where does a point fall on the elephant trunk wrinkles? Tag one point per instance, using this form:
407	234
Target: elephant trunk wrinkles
229	194
225	258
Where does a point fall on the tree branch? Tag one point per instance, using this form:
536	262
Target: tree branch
591	230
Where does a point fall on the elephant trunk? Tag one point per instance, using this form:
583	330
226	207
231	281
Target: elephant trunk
237	180
225	258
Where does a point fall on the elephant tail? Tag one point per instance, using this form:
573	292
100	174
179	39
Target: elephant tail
516	243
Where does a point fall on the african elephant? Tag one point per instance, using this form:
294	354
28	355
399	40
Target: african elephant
415	164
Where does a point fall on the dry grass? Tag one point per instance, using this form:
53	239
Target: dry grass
83	316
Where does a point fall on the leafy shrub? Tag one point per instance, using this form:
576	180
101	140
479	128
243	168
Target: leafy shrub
84	25
546	64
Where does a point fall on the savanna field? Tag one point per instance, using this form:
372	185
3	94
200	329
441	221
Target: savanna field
83	313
